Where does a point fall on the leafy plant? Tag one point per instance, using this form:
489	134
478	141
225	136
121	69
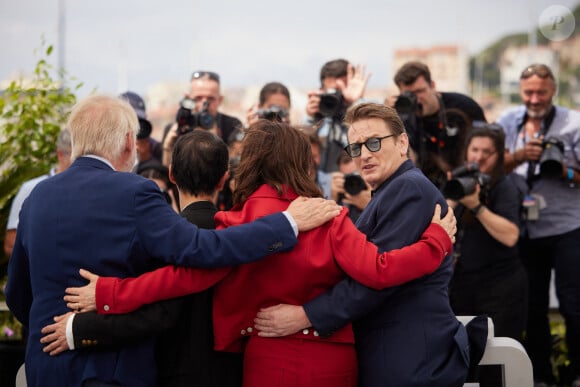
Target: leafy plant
32	113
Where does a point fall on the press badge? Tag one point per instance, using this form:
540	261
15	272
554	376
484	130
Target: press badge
532	205
531	208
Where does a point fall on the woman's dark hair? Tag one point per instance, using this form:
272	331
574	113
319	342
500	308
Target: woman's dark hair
276	154
273	88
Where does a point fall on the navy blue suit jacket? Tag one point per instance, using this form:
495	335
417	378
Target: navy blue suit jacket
114	224
405	335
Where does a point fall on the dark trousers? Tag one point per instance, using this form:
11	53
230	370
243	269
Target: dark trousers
503	298
561	252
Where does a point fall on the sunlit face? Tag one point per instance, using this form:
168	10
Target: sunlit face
277	99
376	167
481	150
537	94
331	82
426	95
205	89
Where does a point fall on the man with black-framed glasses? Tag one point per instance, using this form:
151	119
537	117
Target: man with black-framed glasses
406	335
537	133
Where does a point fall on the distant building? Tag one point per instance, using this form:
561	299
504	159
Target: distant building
449	65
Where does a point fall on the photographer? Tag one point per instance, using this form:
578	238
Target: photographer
202	101
437	122
348	188
552	239
341	85
274	104
488	277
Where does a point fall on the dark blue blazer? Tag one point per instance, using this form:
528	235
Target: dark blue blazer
405	335
113	224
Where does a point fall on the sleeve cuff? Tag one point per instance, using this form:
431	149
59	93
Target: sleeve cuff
69	332
292	222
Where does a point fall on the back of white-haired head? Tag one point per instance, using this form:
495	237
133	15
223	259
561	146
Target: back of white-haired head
99	125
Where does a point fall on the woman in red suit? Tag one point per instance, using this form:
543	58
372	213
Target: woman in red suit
275	169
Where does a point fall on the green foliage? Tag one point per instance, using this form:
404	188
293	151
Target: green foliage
32	113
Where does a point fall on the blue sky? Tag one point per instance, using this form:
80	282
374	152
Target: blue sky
143	42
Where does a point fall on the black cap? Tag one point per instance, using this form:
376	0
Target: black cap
138	105
136	102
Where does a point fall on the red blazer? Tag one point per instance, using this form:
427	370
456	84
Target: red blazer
321	259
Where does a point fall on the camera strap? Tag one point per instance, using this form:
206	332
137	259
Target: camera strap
544	128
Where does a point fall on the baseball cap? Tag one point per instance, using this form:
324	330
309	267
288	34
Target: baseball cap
138	105
136	102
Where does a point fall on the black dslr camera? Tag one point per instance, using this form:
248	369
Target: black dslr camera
406	107
331	102
354	184
463	181
274	113
551	157
406	104
188	118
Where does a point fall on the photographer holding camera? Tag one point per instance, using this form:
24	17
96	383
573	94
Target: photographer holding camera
199	109
488	277
273	105
348	188
538	133
437	122
341	86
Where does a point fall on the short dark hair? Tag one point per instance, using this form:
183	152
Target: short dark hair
334	69
199	161
410	72
273	88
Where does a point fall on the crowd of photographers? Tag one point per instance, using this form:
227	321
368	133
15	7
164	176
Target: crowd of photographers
513	184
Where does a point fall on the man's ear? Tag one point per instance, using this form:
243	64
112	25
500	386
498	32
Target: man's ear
223	181
171	177
131	142
432	84
404	144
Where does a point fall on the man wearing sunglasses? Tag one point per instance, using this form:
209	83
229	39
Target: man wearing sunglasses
552	241
406	335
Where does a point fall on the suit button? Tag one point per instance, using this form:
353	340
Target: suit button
243	332
84	342
305	331
250	329
106	308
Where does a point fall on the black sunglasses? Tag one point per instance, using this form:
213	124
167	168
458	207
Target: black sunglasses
373	144
540	70
201	74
